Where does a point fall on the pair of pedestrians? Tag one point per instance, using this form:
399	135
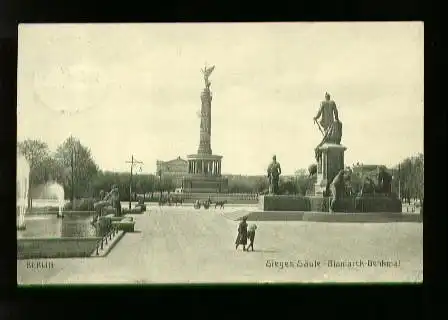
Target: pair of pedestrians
245	232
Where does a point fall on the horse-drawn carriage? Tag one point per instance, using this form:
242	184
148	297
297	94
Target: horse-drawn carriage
140	205
169	201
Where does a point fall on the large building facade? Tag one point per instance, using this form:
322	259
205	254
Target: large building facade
175	169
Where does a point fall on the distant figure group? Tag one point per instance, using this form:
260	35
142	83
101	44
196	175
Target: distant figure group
245	232
206	204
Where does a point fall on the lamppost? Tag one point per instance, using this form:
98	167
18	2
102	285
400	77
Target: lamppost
132	163
72	165
160	183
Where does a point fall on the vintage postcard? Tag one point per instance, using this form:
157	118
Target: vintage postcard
220	153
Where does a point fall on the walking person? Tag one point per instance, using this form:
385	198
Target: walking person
251	236
242	234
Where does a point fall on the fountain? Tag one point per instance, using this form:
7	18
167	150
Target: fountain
48	236
22	184
55	190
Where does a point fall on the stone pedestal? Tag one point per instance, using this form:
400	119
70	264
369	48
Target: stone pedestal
283	203
329	164
321	204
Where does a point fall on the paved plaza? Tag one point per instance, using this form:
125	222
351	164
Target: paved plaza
184	245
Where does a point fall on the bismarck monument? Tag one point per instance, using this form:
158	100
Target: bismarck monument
329	152
329	194
204	168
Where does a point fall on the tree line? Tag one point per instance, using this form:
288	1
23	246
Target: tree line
409	181
72	166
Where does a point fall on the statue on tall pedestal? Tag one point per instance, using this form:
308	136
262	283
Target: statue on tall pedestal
329	124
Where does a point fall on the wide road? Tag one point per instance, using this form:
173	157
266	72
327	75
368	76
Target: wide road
181	245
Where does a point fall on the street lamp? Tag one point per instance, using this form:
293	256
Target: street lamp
160	183
399	182
132	163
72	165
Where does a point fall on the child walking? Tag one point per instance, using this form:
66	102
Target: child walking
251	236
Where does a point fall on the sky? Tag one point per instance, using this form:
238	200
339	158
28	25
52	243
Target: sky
134	89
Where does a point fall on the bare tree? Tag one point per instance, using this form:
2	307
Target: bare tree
79	165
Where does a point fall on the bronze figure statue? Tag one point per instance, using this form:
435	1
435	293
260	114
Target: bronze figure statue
336	189
207	72
329	124
274	172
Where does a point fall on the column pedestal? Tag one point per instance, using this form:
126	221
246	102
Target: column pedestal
207	176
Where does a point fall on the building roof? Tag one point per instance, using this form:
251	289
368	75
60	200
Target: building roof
177	160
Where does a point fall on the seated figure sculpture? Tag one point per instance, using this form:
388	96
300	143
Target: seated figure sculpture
368	187
108	201
384	181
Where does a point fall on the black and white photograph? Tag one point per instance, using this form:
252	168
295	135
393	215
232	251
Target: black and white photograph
202	153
